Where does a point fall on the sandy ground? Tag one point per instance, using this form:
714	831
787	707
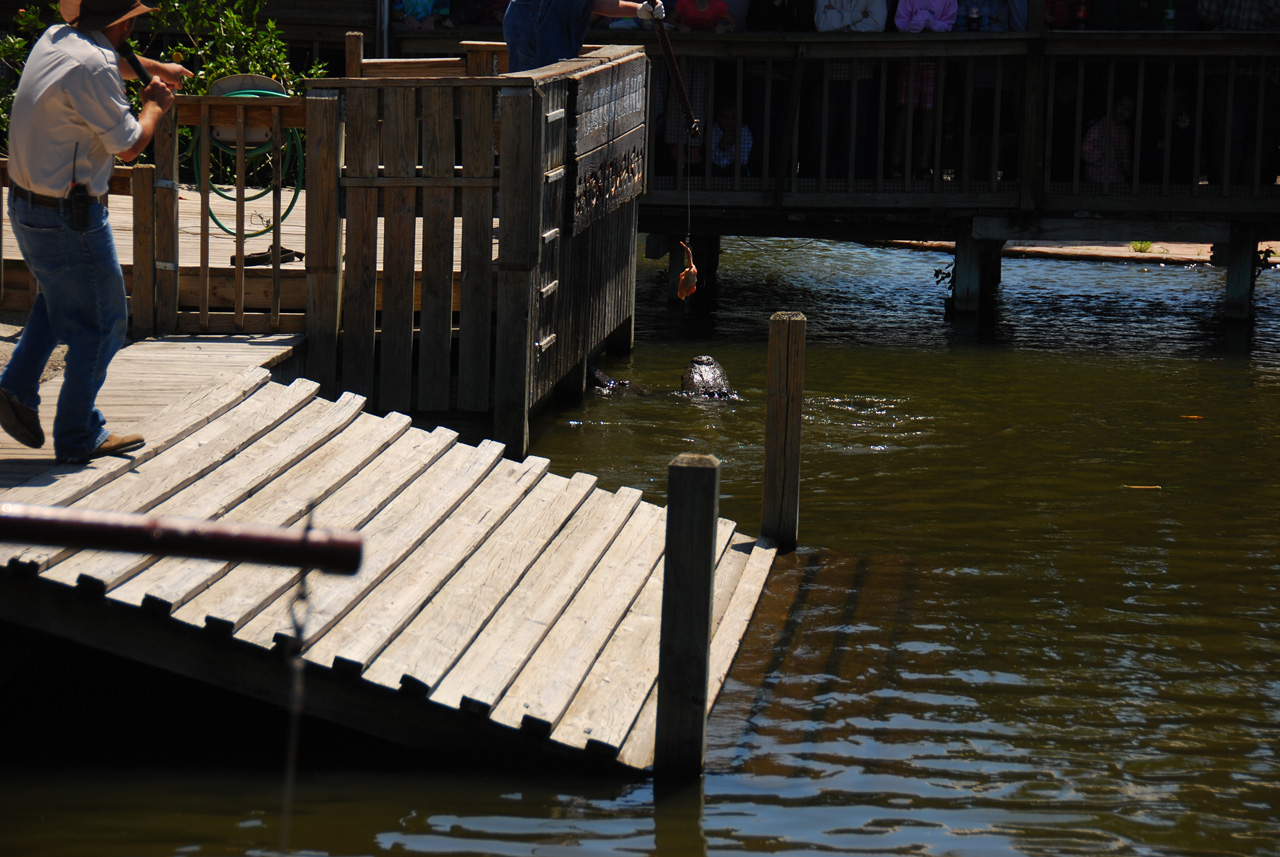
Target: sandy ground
10	329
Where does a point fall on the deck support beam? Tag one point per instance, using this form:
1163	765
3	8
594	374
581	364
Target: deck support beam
1242	269
976	274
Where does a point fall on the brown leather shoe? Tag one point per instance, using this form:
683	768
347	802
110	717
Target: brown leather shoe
115	444
20	422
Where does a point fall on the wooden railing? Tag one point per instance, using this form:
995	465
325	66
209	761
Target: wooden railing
997	122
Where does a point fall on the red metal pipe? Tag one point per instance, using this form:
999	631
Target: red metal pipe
333	551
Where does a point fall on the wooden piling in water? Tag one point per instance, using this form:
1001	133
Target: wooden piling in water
784	402
693	511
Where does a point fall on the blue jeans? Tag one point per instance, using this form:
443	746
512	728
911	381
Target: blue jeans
520	29
82	305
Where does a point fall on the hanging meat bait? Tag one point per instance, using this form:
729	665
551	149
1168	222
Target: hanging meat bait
689	276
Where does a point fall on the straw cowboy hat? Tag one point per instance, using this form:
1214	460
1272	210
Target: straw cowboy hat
100	14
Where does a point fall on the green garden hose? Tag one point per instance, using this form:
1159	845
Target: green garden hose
291	150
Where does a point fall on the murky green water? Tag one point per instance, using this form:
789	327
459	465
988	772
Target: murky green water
1035	610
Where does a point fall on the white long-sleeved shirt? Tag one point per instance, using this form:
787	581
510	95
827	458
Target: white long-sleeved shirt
70	115
849	16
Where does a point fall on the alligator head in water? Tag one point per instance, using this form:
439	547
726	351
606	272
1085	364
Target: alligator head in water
705	377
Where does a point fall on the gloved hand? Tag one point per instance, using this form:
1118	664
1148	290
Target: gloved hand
652	9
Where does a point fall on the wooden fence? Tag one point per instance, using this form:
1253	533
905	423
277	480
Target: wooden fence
405	301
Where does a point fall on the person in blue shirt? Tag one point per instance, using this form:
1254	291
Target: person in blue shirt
541	32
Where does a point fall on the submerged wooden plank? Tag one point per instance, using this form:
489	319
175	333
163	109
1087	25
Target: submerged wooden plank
248	589
251	468
389	537
638	749
154	481
354	642
430	644
547	683
613	693
492	660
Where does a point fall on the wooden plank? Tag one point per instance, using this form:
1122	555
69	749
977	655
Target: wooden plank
142	304
399	155
170	487
174	581
520	200
163	475
495	657
638	749
361	277
354	642
611	697
223	110
476	319
250	472
166	225
413	67
240	219
205	130
429	645
436	321
248	589
393	534
608	101
547	683
324	241
64	485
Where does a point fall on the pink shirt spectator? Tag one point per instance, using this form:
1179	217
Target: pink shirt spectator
689	15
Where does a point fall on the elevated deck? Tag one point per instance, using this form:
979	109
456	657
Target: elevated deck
499	606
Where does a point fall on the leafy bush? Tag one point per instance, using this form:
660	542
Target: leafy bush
218	39
16	43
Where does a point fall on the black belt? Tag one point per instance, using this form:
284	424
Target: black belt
40	201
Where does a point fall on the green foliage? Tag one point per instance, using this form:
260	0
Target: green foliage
16	43
1140	246
219	39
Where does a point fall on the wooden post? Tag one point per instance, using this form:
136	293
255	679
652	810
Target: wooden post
784	402
1242	256
166	225
324	239
355	54
142	322
520	196
693	509
966	276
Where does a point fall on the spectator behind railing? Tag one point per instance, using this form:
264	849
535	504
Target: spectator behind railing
1106	146
422	14
849	16
731	142
704	15
915	16
1240	92
1240	15
844	16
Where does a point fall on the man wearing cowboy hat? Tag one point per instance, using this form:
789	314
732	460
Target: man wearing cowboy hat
70	121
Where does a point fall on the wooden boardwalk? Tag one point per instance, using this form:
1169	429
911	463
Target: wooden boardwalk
498	605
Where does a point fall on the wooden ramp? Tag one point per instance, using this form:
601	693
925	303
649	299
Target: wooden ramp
498	604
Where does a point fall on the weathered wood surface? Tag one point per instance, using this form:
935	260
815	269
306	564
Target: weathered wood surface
496	600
